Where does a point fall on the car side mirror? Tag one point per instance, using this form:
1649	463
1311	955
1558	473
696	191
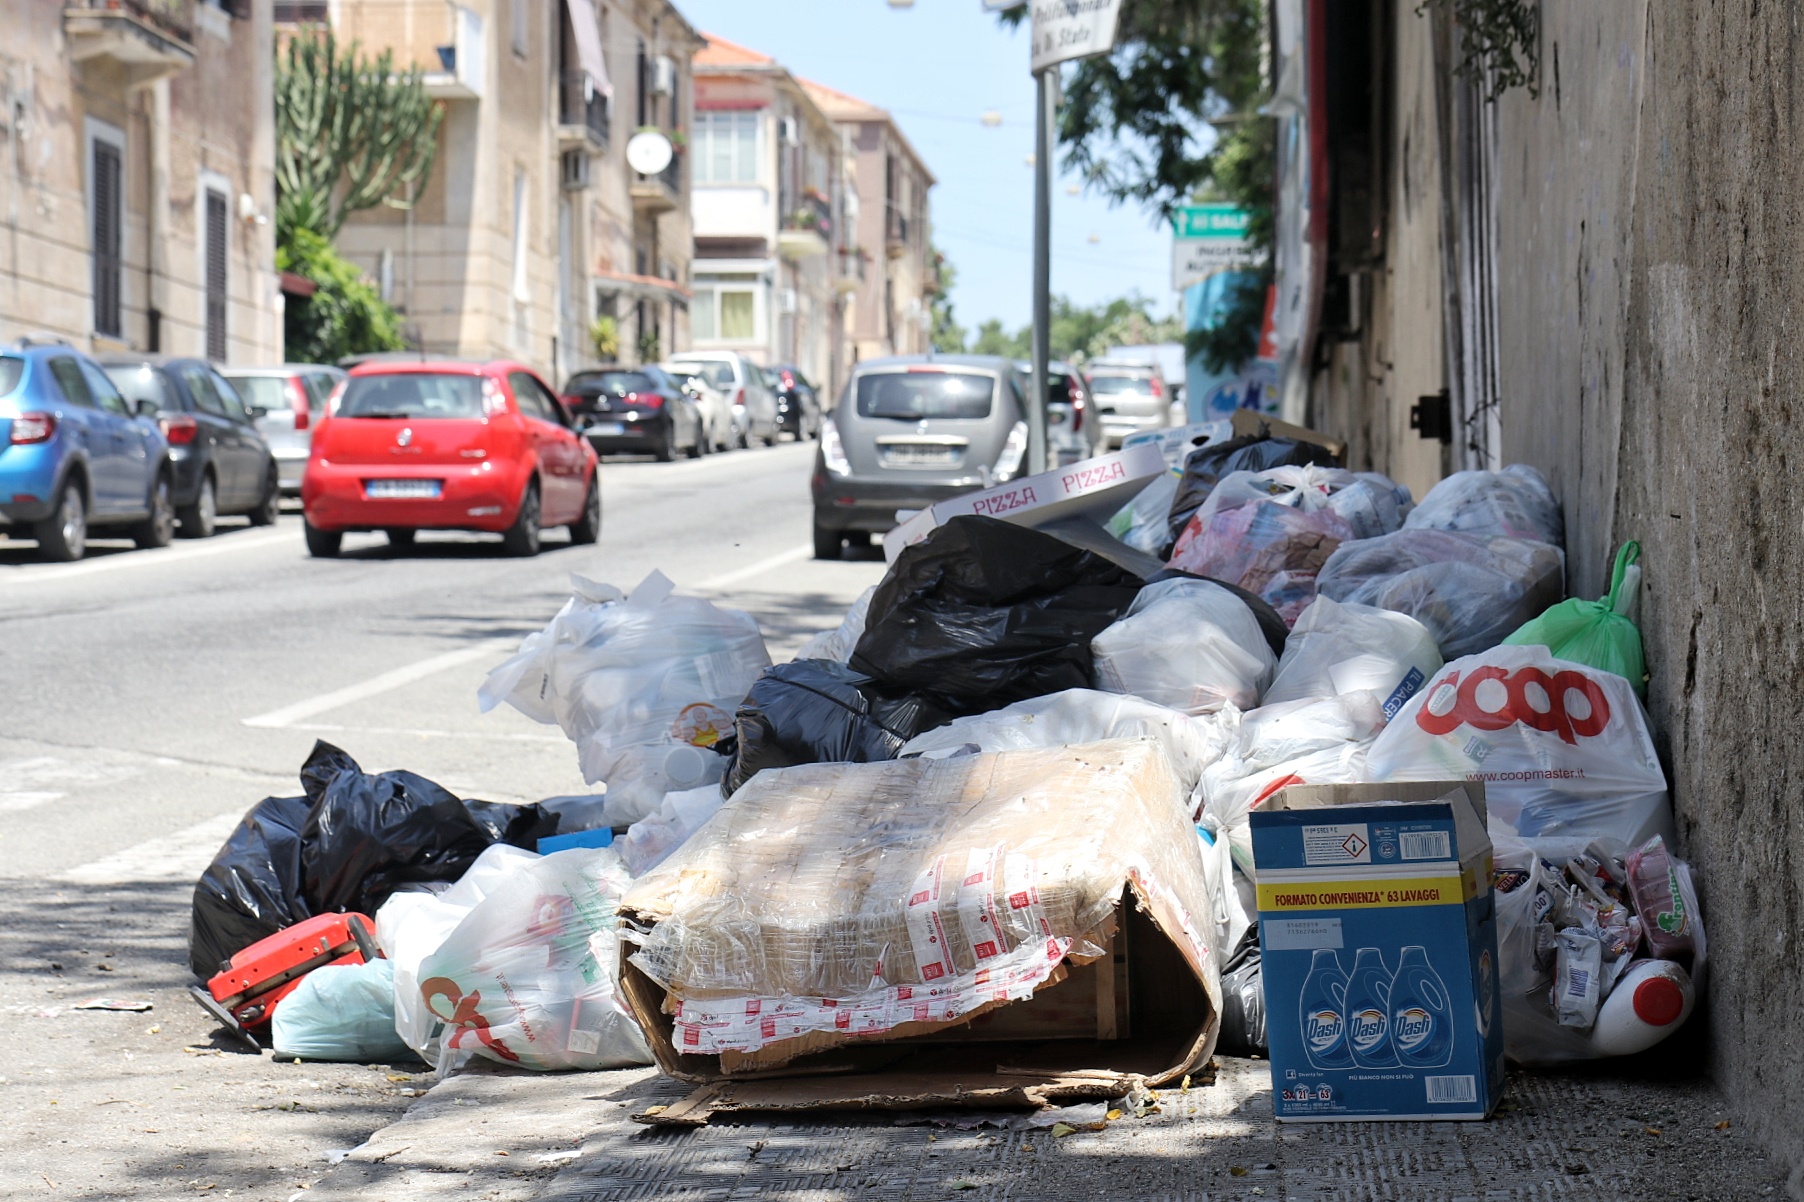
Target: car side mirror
255	411
144	407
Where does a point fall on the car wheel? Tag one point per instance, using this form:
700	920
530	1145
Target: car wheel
399	537
586	530
770	440
157	529
323	544
201	519
828	544
667	447
270	507
522	538
63	536
744	440
699	447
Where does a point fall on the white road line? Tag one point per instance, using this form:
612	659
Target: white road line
182	856
13	803
219	545
287	716
756	569
505	736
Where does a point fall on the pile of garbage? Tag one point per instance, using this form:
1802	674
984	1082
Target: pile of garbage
1005	801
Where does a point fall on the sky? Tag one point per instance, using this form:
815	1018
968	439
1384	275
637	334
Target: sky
937	67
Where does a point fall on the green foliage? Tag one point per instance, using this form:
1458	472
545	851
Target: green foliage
992	339
345	316
648	347
1499	41
351	133
948	336
1079	334
604	338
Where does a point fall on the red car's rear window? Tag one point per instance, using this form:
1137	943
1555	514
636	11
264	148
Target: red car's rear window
414	394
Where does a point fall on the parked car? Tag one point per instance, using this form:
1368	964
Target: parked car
1072	429
449	445
640	409
717	411
286	402
1128	398
754	404
798	404
222	462
76	456
909	431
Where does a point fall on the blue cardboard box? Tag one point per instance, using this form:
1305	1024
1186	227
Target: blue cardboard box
1378	942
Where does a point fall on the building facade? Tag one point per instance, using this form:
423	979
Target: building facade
137	152
534	238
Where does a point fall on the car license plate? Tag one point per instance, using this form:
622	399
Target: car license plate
410	490
919	455
608	429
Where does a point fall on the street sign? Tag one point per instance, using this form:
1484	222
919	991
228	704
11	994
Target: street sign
1206	239
1068	29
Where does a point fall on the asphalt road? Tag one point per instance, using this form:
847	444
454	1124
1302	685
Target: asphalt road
151	697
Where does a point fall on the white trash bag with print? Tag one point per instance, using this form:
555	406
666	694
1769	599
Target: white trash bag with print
1190	645
645	684
1342	647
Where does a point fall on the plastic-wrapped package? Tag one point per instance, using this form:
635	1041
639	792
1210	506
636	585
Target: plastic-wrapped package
528	977
1141	523
1660	900
1177	443
832	904
1469	590
1206	466
1340	648
1563	749
1081	716
837	644
644	684
815	711
1187	644
341	1012
984	612
1600	633
1513	503
1264	547
648	841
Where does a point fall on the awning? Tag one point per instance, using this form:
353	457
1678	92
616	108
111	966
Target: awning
588	44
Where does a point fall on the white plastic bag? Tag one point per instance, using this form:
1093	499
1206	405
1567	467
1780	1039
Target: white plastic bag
680	815
1340	648
341	1012
529	977
1515	503
1563	749
645	684
1369	502
1144	523
1190	645
837	644
1470	590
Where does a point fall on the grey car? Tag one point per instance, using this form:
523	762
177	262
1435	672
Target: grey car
909	431
754	404
286	402
1128	398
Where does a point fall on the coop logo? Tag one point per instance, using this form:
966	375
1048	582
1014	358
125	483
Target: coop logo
1530	696
1367	1028
1322	1030
1414	1026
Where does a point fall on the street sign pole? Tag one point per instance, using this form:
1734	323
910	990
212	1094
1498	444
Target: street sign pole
1044	99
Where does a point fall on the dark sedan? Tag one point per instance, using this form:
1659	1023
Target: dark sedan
798	404
636	410
222	462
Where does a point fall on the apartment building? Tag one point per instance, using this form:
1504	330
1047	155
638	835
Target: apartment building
890	270
771	203
534	234
137	151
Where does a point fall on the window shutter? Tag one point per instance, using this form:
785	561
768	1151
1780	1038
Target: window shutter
107	228
216	275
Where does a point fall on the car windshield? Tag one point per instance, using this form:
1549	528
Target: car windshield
616	383
141	383
715	372
914	395
413	394
11	368
1105	385
264	392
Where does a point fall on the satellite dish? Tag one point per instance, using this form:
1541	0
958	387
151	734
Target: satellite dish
648	152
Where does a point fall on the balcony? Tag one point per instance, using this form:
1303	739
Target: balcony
302	12
583	112
660	193
850	269
146	39
806	228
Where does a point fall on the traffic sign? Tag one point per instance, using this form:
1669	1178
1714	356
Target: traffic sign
1068	29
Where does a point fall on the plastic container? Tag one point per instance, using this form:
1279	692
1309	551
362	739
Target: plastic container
1369	1011
1325	1013
1653	999
1421	1014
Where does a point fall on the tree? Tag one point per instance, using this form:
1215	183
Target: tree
1079	333
344	316
948	336
992	339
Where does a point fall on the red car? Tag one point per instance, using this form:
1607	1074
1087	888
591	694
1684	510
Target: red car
448	445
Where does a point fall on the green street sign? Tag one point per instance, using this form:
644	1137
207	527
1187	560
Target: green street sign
1209	221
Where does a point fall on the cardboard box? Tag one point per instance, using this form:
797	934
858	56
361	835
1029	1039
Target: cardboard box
1090	486
1246	421
1011	928
1379	951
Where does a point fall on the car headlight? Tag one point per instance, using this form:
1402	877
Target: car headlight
1009	462
834	452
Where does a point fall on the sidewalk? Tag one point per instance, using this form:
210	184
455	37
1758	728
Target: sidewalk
514	1137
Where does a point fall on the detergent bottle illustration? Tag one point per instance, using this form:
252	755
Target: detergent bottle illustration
1421	1013
1325	1013
1369	1011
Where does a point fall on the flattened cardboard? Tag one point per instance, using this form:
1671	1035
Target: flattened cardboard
1247	422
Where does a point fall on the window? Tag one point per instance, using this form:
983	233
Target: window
199	383
725	147
106	229
527	394
11	369
75	386
103	392
143	383
738	316
912	396
517	10
413	395
701	315
214	267
228	397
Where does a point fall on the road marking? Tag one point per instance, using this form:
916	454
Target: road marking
13	803
756	569
182	856
138	559
375	686
509	736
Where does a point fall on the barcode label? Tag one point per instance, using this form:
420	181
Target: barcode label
1426	845
1451	1089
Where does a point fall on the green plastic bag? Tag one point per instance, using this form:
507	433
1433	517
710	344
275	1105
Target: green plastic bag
1598	634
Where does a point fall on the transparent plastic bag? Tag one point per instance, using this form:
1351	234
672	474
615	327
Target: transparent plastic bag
679	815
1370	503
1340	648
1469	590
341	1012
1265	547
529	977
1600	633
1513	503
1188	644
837	644
1141	523
645	685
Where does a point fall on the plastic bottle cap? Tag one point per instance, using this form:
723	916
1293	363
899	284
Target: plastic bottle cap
1658	1001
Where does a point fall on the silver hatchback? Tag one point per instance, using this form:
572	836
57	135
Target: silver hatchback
286	402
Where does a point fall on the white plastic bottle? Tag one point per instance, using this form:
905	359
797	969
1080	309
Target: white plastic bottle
1653	999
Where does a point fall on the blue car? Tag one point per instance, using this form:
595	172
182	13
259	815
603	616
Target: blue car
75	456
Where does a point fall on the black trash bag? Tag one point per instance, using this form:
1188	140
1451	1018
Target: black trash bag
253	887
819	711
1205	467
1271	622
1243	1000
369	834
984	613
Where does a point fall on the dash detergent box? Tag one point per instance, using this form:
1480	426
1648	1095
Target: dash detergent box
1378	942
